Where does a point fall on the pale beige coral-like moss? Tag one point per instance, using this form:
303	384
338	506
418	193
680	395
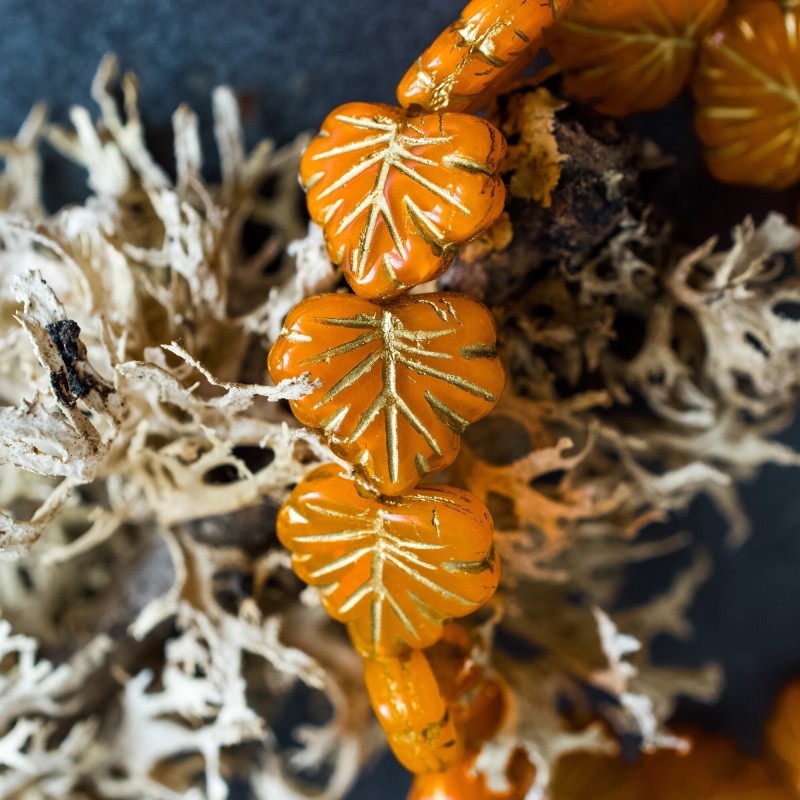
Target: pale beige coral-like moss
135	328
151	628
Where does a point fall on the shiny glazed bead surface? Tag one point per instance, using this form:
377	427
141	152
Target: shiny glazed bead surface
396	379
624	56
397	193
394	570
489	43
485	713
747	88
412	712
399	383
714	769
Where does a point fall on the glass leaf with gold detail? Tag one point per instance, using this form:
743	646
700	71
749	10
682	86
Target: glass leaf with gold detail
630	55
482	51
747	88
398	193
407	700
397	383
393	569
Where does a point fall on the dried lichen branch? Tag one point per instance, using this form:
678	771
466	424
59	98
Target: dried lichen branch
642	374
133	403
153	640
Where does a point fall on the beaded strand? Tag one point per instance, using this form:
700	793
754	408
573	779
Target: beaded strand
400	375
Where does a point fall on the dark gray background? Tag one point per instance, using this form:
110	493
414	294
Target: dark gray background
292	61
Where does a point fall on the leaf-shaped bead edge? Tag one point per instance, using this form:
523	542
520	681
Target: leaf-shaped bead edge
619	87
367	532
399	135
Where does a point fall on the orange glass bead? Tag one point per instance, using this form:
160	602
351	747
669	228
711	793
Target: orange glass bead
398	193
714	769
490	42
783	734
747	88
399	383
393	569
461	782
481	702
485	713
412	712
630	55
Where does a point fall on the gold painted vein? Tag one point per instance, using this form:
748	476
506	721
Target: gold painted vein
392	569
398	384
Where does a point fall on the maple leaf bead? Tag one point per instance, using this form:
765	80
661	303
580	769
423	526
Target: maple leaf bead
394	569
398	193
488	45
630	55
415	717
747	88
397	383
481	702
